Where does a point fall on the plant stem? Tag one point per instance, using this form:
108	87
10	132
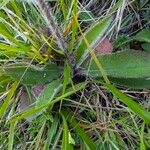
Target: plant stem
55	30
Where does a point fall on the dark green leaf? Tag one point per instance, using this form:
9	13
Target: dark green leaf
128	68
32	75
134	83
124	64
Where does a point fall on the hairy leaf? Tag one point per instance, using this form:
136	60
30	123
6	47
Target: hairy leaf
124	64
93	36
129	68
48	93
31	75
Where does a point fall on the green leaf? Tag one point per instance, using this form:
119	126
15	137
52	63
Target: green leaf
93	36
51	132
116	6
80	131
3	3
1	71
11	136
124	64
32	75
112	140
63	8
135	107
143	36
9	34
146	46
25	114
86	16
39	136
65	141
127	68
8	98
10	49
134	83
48	93
4	80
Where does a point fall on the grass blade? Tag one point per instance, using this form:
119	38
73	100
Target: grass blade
90	145
135	107
11	136
8	98
38	109
65	141
51	132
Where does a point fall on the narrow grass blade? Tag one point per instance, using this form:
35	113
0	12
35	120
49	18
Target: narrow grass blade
11	136
38	109
8	98
90	145
63	8
57	138
39	136
74	25
135	107
116	6
65	141
51	132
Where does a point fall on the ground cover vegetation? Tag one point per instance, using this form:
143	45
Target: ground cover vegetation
74	74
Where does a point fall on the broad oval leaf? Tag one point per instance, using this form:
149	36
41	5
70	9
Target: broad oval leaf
124	64
129	68
93	36
32	75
